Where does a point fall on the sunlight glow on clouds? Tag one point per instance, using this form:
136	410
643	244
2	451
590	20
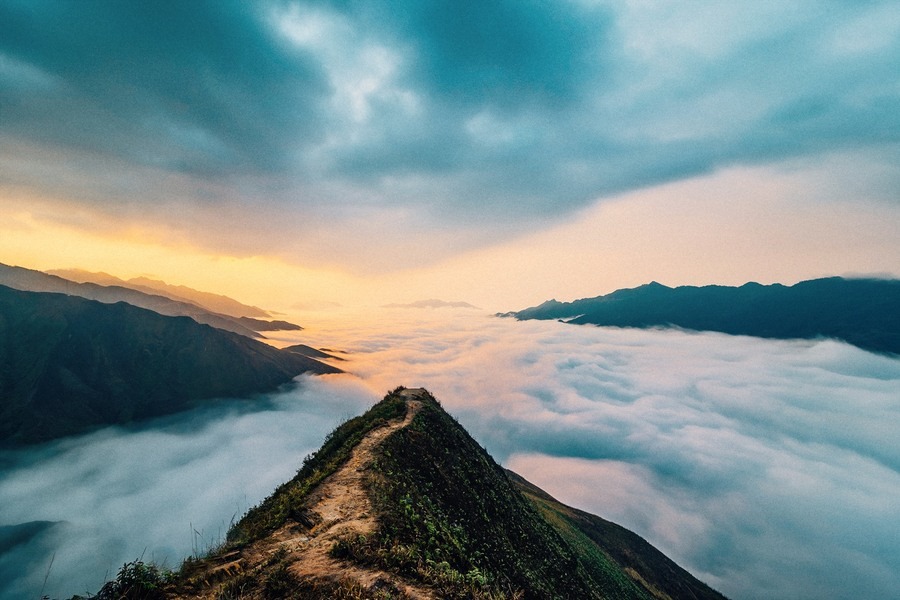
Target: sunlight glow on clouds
314	153
767	468
744	224
278	127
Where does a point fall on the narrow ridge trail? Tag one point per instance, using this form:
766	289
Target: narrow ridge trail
343	504
340	507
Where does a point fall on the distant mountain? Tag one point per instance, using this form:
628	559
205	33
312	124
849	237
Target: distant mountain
432	303
68	364
862	312
268	325
36	281
211	302
402	503
311	352
214	302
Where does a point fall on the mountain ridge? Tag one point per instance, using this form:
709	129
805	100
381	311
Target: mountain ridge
213	302
69	364
31	280
402	503
862	312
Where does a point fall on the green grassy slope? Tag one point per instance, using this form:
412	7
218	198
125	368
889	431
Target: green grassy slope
453	521
594	536
451	518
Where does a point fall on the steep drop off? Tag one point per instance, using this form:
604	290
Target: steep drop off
402	503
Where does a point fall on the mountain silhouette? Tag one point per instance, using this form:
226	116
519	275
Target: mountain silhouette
30	280
68	364
862	312
401	502
212	302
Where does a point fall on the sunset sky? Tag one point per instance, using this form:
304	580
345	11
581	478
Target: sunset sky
325	158
301	154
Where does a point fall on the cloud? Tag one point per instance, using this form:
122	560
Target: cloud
121	494
767	468
432	303
185	87
484	118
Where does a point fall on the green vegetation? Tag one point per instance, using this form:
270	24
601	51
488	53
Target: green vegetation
451	519
288	501
136	581
618	550
281	585
448	519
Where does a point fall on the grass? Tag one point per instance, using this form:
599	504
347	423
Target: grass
136	580
449	518
288	501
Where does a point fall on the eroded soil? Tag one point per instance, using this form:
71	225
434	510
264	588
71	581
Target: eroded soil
340	507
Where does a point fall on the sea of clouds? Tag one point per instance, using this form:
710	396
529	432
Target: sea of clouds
769	469
161	492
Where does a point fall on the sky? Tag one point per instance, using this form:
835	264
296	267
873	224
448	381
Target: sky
307	154
322	158
767	468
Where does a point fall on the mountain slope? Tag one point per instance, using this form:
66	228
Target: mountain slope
212	302
110	292
656	572
305	350
221	307
68	364
29	280
863	312
401	502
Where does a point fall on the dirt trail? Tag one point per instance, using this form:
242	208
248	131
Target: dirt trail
340	507
343	504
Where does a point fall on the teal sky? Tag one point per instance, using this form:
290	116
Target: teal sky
378	138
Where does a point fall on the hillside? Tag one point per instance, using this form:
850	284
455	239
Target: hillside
30	280
68	364
862	312
402	503
252	317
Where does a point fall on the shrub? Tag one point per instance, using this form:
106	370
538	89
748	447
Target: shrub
136	581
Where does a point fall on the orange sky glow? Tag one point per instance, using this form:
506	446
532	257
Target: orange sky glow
728	228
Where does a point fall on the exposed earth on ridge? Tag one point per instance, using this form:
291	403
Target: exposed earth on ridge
339	508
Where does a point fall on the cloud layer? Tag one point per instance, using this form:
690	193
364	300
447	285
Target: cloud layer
487	118
767	468
161	492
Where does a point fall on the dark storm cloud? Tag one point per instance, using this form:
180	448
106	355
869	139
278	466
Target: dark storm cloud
512	55
528	108
193	86
473	114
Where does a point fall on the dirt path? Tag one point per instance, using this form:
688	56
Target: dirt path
343	505
341	508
